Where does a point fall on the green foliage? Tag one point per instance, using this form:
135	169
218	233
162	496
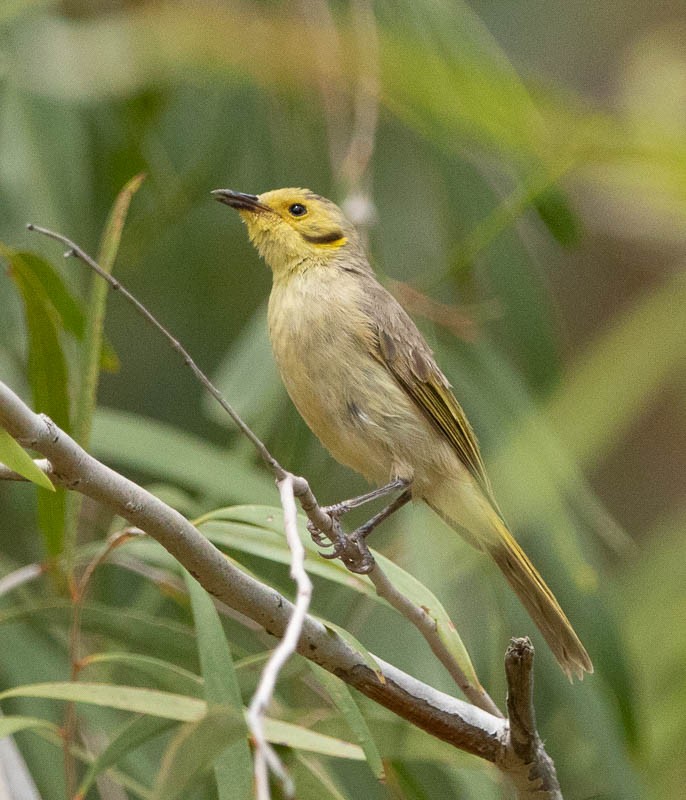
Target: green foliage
506	200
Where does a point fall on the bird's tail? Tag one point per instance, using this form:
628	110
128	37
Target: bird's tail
540	602
523	577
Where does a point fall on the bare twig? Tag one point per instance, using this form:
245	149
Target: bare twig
75	251
355	164
20	576
265	755
7	474
536	773
427	627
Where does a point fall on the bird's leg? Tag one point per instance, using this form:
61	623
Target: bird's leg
364	530
352	548
340	509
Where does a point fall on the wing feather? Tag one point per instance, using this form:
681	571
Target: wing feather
402	349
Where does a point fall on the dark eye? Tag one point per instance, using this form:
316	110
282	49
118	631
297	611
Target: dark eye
297	210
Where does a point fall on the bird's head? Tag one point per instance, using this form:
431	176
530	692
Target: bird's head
293	228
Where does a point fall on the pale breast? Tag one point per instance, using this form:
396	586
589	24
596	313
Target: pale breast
347	397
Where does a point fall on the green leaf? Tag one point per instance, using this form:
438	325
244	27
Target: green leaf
553	208
248	375
47	370
13	455
345	703
195	748
10	725
165	452
165	675
93	352
259	530
224	527
167	705
299	738
124	698
233	772
315	773
131	736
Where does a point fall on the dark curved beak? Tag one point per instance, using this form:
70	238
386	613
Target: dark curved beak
239	200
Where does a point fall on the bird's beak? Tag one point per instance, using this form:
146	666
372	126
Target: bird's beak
239	200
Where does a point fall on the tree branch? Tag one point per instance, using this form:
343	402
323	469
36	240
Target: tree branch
457	722
535	774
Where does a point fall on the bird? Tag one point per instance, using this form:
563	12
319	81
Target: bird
367	384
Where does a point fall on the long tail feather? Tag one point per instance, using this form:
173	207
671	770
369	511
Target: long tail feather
540	602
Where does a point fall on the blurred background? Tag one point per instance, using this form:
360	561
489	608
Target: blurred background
520	172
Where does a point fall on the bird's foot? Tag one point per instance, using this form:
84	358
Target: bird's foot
351	548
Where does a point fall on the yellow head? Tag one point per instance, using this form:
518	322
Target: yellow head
293	228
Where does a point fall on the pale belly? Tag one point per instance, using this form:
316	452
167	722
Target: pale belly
350	400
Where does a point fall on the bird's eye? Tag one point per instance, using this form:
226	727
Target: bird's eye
297	210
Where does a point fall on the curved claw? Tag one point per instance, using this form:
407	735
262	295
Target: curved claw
338	549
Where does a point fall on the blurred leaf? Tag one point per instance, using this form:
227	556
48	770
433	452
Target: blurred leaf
125	698
162	451
345	703
93	352
554	209
9	725
13	455
195	748
233	773
135	628
47	369
324	783
131	736
53	291
167	705
166	676
248	375
299	738
630	360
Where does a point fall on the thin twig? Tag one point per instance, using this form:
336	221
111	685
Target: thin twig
20	576
535	775
69	729
427	627
356	162
75	251
7	474
265	755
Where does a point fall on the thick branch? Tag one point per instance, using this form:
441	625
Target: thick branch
517	752
447	718
535	775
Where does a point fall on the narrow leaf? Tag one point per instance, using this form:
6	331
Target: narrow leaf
124	698
93	345
299	738
13	724
195	748
132	735
13	455
233	772
345	703
47	371
167	676
268	520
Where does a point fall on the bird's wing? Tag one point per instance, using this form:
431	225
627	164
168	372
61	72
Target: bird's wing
399	345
